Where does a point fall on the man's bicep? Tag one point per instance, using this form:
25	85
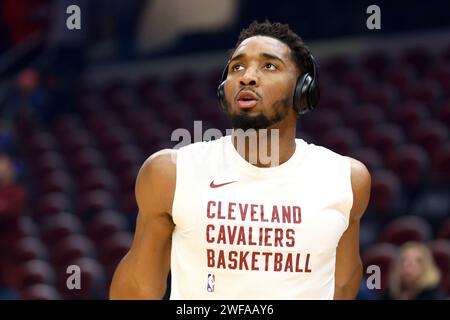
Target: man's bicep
144	269
154	190
149	255
347	253
348	260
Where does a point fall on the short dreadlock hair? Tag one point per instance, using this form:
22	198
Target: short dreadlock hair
282	32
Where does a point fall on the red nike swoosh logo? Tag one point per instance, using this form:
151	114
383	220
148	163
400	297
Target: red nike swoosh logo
213	185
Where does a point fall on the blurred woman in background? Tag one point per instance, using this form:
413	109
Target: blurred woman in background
415	275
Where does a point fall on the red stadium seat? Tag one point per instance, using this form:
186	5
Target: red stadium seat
441	165
336	66
371	159
338	99
97	179
440	72
58	227
113	249
431	135
106	224
341	140
95	201
444	230
382	255
139	118
321	120
400	76
147	83
113	138
358	80
65	125
424	90
432	205
376	62
386	195
40	292
41	142
410	115
443	113
127	178
385	138
90	102
128	204
47	162
51	204
56	182
126	157
73	247
404	229
366	118
77	140
92	281
411	164
29	248
86	159
419	57
158	98
35	272
381	95
441	254
98	125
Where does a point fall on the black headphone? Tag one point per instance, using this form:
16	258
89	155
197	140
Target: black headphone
307	92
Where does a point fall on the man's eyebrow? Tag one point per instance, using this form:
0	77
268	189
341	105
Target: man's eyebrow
239	56
264	55
271	56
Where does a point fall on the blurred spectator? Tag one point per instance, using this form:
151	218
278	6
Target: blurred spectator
415	275
12	198
27	99
12	195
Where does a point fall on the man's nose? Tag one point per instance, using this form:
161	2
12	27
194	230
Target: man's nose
249	78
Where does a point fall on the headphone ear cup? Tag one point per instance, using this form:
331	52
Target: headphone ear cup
301	99
221	96
313	94
221	90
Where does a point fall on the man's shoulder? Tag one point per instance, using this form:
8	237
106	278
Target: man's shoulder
360	173
161	164
321	155
361	185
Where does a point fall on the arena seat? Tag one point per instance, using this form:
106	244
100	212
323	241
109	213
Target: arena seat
58	227
386	195
382	255
371	159
404	229
411	164
106	224
441	253
92	281
35	272
40	292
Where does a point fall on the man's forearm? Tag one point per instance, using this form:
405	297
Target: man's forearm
350	289
125	286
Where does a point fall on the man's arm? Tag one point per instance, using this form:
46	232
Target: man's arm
142	273
348	261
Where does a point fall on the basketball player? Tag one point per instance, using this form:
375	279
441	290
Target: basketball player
229	228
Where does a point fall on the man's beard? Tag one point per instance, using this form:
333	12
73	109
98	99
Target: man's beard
246	121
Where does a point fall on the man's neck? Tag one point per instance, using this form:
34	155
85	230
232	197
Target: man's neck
266	147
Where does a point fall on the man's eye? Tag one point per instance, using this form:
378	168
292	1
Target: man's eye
270	66
236	67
